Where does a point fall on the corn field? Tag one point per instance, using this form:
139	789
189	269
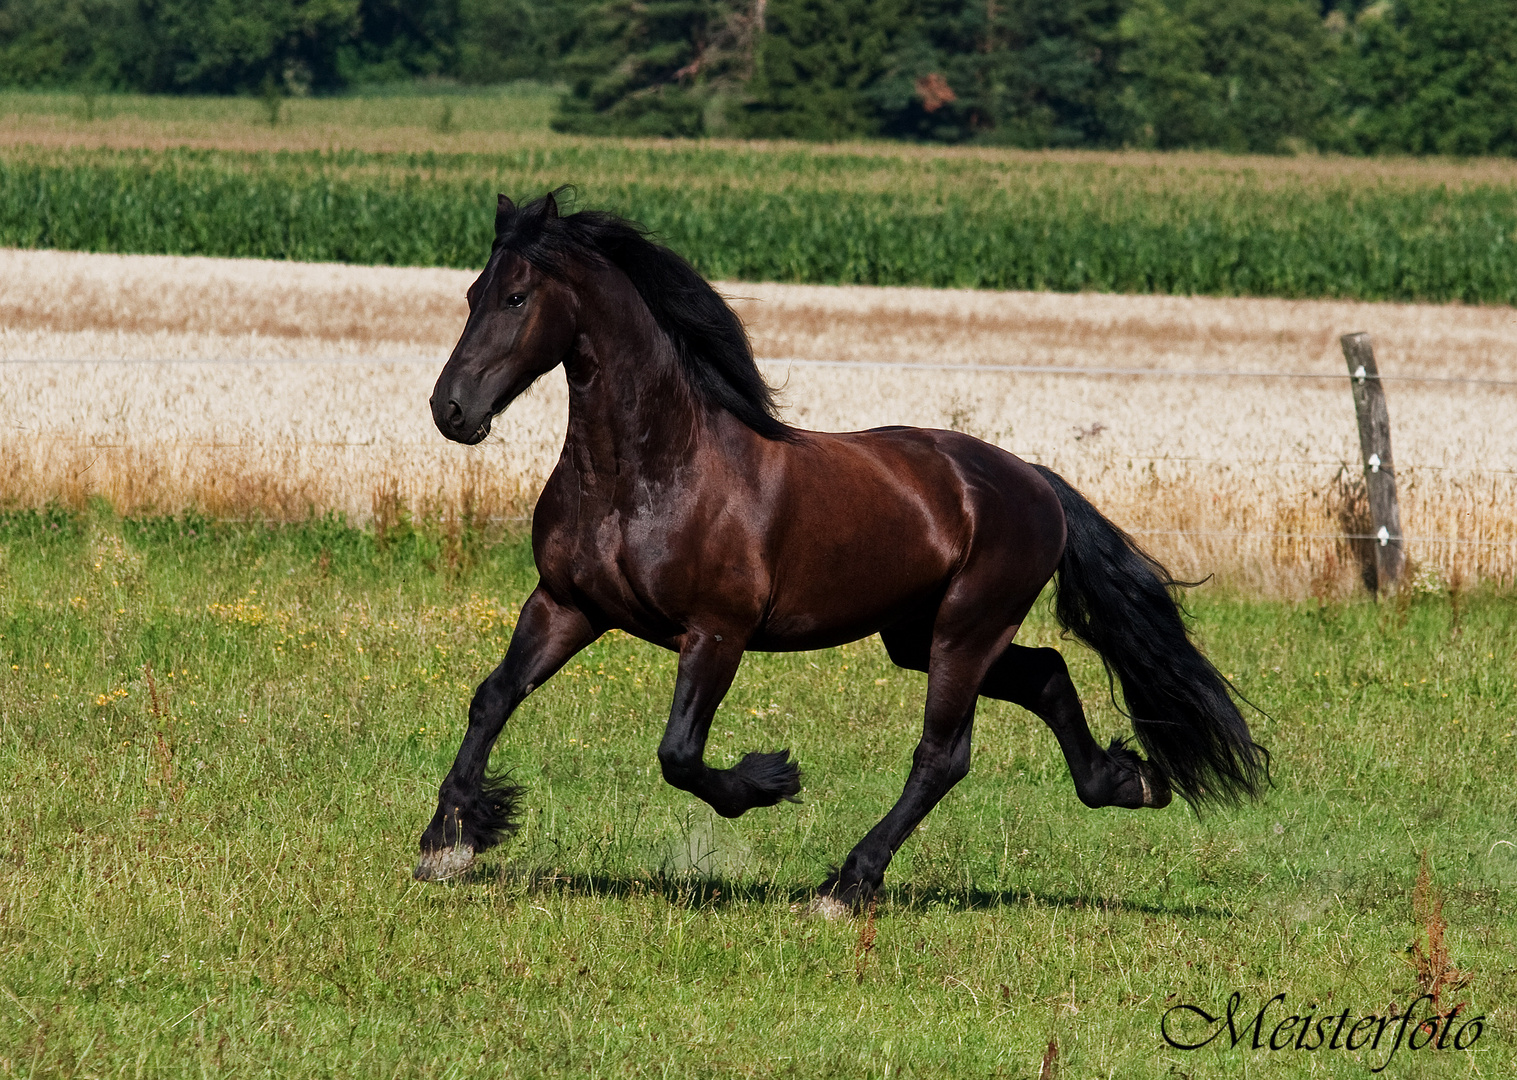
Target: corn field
1181	225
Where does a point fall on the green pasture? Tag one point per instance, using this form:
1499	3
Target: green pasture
218	744
443	108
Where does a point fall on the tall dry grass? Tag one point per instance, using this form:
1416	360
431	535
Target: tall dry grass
308	389
485	123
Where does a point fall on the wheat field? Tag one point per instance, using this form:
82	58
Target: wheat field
241	388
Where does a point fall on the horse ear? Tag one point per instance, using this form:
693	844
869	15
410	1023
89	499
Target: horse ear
550	206
504	209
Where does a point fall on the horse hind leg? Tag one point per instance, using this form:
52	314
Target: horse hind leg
957	675
1038	680
940	761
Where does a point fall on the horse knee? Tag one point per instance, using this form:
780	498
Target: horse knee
942	766
491	695
680	766
1045	679
958	763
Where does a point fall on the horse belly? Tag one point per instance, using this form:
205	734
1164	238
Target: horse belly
840	592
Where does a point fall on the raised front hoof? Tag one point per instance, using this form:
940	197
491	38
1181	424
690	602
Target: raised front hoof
1144	785
444	864
769	778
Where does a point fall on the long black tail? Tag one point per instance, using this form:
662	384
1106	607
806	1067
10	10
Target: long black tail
1116	598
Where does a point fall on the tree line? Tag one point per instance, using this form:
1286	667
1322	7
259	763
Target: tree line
1408	76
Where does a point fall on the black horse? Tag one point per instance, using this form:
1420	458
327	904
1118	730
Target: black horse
683	511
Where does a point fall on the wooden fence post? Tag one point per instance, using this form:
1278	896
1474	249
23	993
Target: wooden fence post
1379	470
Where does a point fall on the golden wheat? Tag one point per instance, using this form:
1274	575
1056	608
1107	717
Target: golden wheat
276	389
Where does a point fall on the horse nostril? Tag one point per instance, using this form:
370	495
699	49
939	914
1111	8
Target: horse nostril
455	415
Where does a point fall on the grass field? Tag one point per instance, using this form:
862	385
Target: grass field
442	111
218	744
349	180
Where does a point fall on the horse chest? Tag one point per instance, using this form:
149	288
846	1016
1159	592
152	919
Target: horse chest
615	563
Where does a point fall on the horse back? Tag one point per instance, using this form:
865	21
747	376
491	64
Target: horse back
875	525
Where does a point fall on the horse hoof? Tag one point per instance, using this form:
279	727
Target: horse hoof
826	906
444	864
1156	793
1153	787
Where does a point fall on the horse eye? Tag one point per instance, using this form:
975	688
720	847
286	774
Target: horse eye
516	299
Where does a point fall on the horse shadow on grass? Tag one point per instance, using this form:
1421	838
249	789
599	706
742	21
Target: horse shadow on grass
715	891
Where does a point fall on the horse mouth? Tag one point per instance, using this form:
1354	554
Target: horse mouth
496	408
473	438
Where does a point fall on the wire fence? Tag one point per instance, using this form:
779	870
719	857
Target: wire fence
1126	372
989	369
1065	370
247	444
1322	536
244	444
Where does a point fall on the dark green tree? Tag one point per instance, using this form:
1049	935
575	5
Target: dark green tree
505	40
655	68
103	43
1241	75
1017	72
821	66
397	40
226	46
1433	76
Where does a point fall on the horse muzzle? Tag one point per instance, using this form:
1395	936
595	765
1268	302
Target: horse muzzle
456	422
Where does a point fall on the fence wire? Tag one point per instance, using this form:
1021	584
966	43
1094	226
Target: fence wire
907	365
1006	369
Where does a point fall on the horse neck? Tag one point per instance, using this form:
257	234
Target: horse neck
630	406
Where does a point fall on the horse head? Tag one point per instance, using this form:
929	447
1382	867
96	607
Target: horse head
520	327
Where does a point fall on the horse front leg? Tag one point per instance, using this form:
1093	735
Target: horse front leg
707	664
474	812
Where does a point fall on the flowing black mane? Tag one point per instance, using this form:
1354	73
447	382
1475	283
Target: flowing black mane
707	335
